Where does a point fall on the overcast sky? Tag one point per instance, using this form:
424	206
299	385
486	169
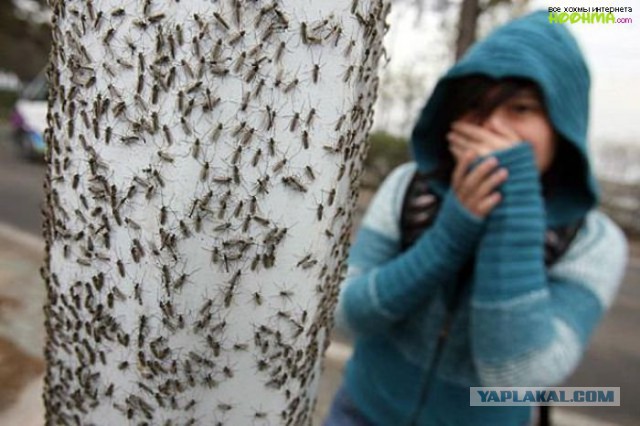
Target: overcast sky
613	54
612	51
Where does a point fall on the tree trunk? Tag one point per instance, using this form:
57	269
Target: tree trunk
203	166
467	23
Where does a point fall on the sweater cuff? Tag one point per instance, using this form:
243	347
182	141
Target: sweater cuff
510	260
522	191
514	154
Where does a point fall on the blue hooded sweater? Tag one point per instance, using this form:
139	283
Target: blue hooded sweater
559	69
519	323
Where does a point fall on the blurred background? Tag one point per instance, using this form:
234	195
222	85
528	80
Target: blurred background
425	38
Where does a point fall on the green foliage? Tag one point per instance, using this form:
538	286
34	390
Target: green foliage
385	153
24	44
7	99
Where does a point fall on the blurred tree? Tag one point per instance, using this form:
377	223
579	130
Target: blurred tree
467	23
470	12
465	31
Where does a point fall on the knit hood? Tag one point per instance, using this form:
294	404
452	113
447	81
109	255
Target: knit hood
528	47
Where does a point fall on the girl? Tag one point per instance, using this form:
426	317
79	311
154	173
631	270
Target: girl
497	272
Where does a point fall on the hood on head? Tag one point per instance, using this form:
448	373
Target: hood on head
531	48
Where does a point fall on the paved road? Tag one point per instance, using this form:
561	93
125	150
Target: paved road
20	188
613	358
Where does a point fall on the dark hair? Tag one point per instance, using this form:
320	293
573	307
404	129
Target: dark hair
469	93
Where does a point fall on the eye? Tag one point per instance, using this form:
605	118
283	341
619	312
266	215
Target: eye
524	108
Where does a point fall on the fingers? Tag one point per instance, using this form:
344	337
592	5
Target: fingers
464	143
473	132
478	175
487	204
504	130
494	137
460	141
456	151
459	152
477	189
466	158
489	184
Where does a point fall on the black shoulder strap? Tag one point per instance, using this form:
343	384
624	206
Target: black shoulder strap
558	240
419	203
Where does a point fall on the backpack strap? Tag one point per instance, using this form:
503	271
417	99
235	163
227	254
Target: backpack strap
419	209
557	240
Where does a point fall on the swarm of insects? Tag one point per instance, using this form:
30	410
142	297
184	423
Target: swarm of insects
181	135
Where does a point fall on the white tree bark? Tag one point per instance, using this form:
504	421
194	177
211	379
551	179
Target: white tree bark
204	161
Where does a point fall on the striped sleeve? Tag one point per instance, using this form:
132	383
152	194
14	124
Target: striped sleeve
529	326
383	286
378	236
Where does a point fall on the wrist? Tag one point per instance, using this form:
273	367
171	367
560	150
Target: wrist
457	228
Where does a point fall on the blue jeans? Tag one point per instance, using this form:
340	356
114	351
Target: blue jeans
343	411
